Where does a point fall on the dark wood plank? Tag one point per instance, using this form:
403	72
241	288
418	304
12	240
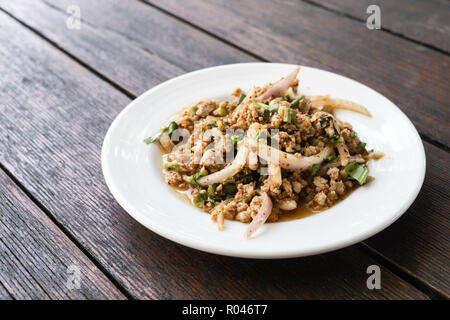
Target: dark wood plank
424	21
129	42
56	114
420	239
35	255
416	78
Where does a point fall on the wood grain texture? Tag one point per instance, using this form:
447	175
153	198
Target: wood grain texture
35	255
128	42
56	114
414	77
420	241
4	294
424	21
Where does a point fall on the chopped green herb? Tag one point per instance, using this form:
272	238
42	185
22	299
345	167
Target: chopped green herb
289	115
315	169
296	101
221	111
241	98
193	110
324	121
332	158
353	134
172	127
336	128
172	166
362	145
155	137
334	138
212	189
230	188
266	114
193	179
359	172
200	199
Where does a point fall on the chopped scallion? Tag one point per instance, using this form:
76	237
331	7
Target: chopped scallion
155	137
171	128
221	111
332	158
359	172
289	115
172	166
296	101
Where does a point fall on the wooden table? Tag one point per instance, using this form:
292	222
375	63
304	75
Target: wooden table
60	89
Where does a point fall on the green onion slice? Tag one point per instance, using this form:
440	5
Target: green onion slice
296	101
155	137
289	115
171	128
359	172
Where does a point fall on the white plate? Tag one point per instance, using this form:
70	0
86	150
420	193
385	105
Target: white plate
132	168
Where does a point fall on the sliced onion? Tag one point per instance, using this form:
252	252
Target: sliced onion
289	161
344	154
358	159
375	156
280	87
334	103
222	175
261	217
166	142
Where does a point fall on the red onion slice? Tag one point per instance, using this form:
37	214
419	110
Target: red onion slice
280	87
261	217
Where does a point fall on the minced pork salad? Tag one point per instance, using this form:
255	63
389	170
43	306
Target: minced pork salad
264	154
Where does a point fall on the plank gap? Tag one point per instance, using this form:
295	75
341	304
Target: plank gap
401	272
209	33
387	30
82	63
66	233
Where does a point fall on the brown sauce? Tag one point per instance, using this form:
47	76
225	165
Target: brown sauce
302	211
